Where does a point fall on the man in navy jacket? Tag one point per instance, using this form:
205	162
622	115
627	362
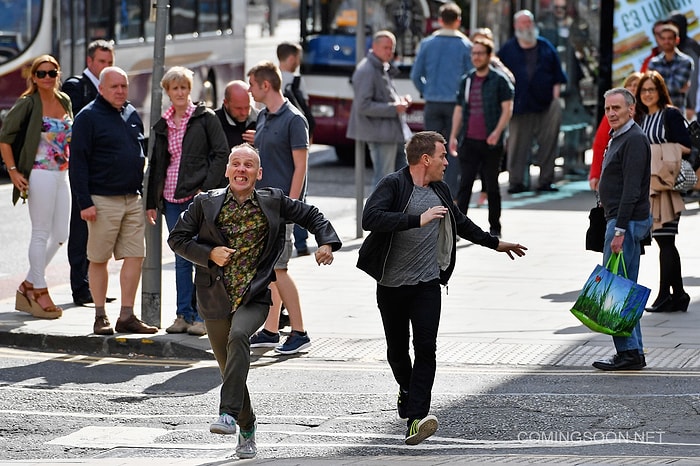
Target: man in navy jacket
106	175
536	111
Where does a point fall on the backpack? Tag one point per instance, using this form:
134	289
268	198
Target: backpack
296	98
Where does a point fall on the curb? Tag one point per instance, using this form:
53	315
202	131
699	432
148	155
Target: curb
104	346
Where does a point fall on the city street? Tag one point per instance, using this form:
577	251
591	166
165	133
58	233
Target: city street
514	379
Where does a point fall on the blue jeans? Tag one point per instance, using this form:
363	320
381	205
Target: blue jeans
184	283
386	158
437	116
300	237
631	251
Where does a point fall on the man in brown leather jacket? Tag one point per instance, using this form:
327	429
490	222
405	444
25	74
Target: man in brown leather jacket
234	236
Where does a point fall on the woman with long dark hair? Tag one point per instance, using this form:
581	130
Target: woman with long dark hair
39	126
664	123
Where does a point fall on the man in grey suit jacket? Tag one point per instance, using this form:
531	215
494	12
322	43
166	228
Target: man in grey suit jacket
377	109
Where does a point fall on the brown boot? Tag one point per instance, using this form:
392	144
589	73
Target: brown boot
102	326
134	325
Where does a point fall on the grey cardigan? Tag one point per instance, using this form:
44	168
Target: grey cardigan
373	117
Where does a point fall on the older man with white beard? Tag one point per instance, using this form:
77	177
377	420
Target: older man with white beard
536	112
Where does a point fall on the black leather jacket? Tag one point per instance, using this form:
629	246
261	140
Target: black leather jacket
196	234
384	214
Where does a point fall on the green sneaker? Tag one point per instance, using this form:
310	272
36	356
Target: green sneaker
421	429
246	443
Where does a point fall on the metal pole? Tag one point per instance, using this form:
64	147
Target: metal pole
359	145
152	265
473	13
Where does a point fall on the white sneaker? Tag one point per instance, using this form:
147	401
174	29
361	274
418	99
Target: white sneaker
225	425
246	444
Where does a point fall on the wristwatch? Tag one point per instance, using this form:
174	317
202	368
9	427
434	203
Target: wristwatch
619	233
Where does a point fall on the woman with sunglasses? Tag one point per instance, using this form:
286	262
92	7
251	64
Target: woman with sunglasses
34	141
662	122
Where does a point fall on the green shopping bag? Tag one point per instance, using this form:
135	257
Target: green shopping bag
610	303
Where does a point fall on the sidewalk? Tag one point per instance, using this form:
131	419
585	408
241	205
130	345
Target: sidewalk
495	311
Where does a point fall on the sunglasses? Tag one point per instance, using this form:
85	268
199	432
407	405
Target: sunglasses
41	74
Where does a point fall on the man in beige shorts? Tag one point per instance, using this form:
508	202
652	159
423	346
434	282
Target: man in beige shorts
106	174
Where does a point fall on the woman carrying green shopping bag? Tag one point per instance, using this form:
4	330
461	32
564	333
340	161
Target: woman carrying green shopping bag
624	195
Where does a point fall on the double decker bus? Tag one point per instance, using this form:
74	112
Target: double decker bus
207	36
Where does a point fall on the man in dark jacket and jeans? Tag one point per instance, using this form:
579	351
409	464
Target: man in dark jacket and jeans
411	251
235	236
624	195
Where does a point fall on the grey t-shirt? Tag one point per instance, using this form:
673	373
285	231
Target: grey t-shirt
413	255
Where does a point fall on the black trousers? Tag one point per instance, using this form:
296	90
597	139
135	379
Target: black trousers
478	157
77	252
417	306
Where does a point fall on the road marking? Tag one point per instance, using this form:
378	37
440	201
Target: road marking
101	437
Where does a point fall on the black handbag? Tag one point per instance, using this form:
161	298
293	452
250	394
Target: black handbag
694	132
595	235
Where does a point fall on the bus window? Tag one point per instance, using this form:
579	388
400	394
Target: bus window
183	17
214	16
100	20
18	26
131	19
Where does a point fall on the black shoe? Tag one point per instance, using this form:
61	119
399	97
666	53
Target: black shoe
495	232
662	304
680	303
83	299
517	188
402	404
303	252
629	360
547	188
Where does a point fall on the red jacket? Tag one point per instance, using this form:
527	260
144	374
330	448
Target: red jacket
600	142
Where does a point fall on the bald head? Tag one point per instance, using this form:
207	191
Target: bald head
237	100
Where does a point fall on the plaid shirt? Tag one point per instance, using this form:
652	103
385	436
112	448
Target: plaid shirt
175	137
676	74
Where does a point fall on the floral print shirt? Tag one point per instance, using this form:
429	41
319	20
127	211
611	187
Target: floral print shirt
54	146
245	229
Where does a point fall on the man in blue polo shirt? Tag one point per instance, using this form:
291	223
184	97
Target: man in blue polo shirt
282	138
536	112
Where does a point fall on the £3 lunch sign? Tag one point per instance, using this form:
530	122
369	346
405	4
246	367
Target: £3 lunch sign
633	38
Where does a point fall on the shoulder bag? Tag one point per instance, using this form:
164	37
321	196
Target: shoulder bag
595	235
